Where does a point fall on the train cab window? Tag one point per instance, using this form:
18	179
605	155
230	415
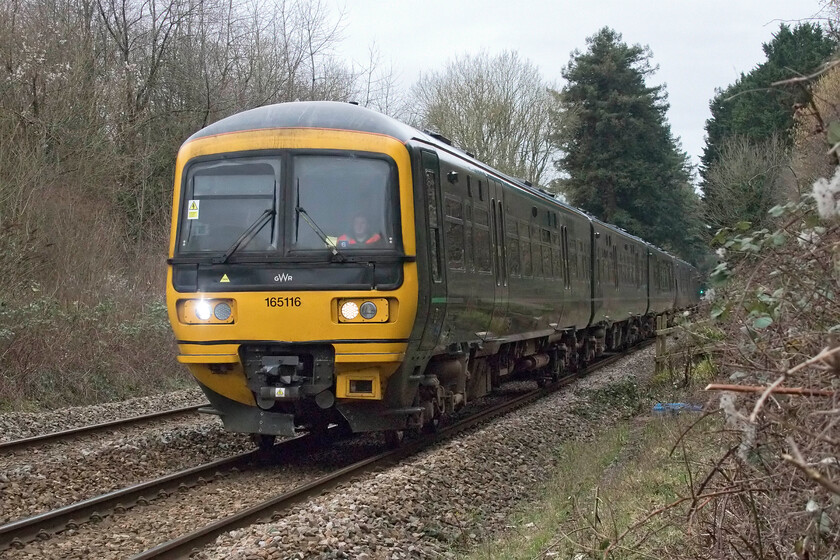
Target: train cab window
366	217
224	198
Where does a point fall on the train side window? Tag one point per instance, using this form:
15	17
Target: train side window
525	250
536	257
469	186
582	271
481	236
454	233
512	241
546	261
469	250
566	257
545	244
430	179
615	265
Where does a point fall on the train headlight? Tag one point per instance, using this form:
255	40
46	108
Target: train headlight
203	310
368	310
350	310
206	311
364	310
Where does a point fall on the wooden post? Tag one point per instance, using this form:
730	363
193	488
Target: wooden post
660	344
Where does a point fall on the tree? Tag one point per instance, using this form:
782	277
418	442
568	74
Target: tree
619	159
753	107
746	181
495	107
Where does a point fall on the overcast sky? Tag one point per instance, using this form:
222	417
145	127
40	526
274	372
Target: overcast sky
698	44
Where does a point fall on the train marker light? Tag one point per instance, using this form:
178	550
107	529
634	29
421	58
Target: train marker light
362	310
368	310
222	311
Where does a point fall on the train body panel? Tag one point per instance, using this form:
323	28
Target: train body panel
661	285
329	264
620	285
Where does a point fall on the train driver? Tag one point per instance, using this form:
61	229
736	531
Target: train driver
361	235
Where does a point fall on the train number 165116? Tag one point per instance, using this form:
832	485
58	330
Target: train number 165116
282	302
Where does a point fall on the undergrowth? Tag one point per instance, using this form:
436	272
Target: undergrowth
54	354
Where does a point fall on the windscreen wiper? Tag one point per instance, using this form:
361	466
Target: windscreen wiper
247	235
300	211
337	255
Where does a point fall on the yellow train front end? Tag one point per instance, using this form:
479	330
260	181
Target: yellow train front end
292	287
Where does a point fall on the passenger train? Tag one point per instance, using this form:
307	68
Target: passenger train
329	264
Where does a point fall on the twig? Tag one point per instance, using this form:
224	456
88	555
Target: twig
662	510
801	391
799	462
691	427
825	353
764	396
825	68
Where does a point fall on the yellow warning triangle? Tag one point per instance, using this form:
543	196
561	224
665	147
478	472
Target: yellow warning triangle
193	206
225	278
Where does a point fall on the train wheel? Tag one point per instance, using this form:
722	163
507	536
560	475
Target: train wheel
556	366
263	442
320	431
265	447
394	438
431	427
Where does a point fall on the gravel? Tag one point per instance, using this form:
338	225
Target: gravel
54	474
18	425
443	499
431	505
140	528
43	478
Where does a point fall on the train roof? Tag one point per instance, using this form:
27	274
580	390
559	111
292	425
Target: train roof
313	114
348	116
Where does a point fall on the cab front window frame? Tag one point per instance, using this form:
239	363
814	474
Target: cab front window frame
286	219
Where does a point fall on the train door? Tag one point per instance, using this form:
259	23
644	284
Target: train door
434	289
498	323
598	273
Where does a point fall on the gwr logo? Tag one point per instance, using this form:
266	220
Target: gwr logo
284	277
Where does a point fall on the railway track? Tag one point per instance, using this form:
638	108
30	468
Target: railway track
23	443
43	526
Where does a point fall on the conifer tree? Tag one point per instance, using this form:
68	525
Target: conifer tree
754	116
753	107
619	160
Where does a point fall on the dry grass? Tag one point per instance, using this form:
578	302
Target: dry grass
603	488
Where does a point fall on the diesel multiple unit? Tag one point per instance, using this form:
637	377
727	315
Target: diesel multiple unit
329	264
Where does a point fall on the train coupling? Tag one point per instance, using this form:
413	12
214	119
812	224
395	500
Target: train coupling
289	374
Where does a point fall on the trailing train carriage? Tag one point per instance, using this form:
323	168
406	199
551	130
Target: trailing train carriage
330	264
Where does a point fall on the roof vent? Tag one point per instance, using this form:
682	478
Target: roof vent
439	136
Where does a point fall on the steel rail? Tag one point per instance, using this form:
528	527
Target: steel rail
183	546
27	442
45	524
